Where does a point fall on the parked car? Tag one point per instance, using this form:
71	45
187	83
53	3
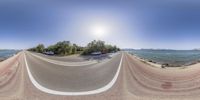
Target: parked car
49	53
96	53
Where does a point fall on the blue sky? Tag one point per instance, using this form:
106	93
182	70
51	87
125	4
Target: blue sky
173	24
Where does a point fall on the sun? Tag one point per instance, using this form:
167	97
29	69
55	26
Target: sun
99	31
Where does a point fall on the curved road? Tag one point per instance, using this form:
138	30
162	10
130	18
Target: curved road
75	58
136	80
73	78
71	58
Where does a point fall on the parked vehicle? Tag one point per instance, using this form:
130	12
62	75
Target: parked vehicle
49	53
96	53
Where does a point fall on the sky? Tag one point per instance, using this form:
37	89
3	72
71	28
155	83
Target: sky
172	24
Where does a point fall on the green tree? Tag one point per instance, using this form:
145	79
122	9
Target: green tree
66	48
99	46
63	48
40	48
74	49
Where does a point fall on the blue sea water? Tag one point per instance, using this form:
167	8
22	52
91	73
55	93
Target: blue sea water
171	57
7	53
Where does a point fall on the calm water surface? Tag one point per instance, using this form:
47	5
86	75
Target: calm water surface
171	57
7	53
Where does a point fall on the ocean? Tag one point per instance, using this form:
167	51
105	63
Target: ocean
7	53
170	57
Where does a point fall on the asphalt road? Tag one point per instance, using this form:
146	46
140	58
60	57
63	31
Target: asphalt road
136	81
71	58
73	78
76	57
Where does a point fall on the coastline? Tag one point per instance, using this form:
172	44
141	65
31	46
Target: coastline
9	56
153	64
157	65
2	59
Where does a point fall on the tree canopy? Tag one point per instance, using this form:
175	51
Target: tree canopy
99	46
66	48
39	48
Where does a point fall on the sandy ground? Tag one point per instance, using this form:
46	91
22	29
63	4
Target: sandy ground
11	78
145	82
136	81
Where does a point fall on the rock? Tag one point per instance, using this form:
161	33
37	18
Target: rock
165	65
150	61
2	59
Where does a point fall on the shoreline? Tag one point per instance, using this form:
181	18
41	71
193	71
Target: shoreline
146	61
2	59
156	64
5	58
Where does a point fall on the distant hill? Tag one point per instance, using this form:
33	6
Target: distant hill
127	49
130	49
197	49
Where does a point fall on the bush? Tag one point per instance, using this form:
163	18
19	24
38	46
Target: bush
99	46
60	48
40	48
66	48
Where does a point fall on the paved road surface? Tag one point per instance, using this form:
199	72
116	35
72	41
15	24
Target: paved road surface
75	58
142	81
73	78
71	58
136	80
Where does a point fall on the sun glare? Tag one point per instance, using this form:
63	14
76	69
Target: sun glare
99	31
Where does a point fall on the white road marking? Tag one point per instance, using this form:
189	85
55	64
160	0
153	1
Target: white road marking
65	63
100	90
